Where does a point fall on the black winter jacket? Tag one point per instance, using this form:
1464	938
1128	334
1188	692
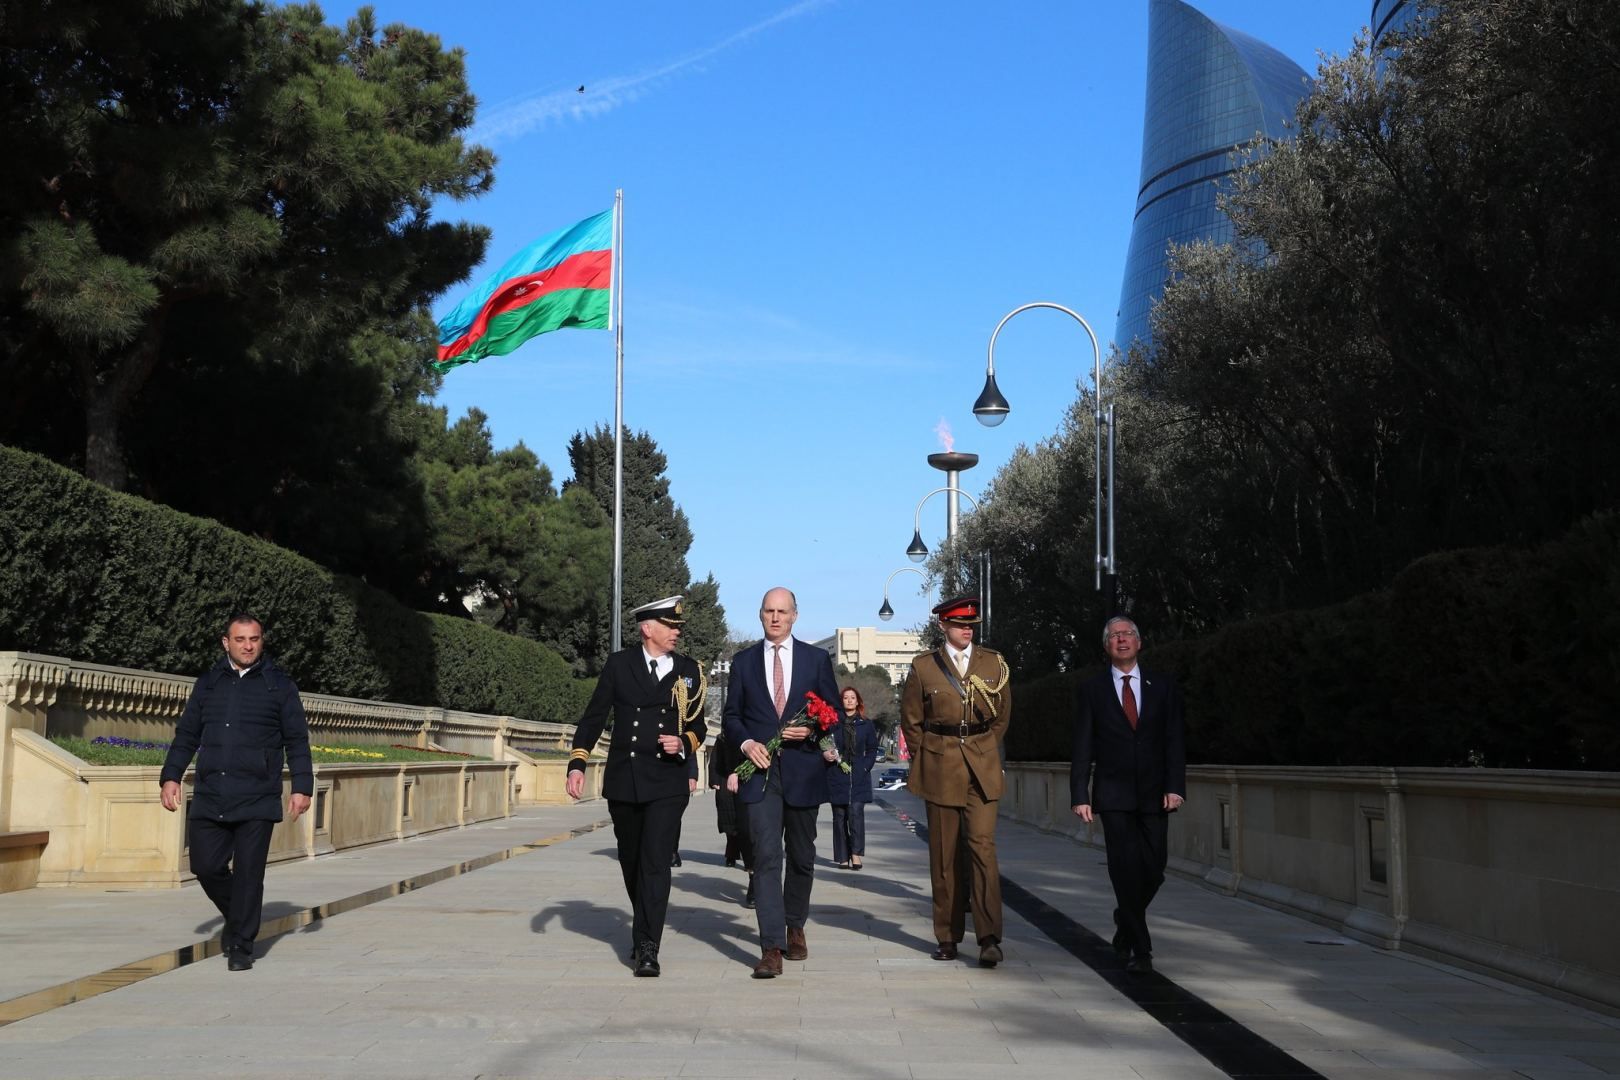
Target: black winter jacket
240	727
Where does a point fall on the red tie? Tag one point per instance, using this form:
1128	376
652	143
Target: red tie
776	679
1128	699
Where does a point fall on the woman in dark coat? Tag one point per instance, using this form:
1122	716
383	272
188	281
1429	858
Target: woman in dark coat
850	792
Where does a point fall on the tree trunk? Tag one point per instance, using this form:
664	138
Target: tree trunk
109	385
103	441
108	393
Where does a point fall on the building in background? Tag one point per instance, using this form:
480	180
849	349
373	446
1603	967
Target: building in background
859	646
1391	15
1210	90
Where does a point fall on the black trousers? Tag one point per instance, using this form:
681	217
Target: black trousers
228	858
740	844
646	832
1138	852
849	831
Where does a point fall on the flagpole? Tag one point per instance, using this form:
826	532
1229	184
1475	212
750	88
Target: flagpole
616	313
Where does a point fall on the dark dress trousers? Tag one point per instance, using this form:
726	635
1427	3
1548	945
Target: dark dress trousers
1124	775
850	792
241	727
784	800
646	789
731	814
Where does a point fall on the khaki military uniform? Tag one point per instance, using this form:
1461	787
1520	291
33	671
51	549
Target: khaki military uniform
955	731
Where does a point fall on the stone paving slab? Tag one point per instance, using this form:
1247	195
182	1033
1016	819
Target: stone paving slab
518	969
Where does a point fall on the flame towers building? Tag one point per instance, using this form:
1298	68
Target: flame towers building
1210	90
1389	16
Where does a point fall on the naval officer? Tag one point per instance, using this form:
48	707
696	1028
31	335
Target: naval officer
654	697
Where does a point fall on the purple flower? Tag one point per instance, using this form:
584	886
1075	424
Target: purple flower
126	744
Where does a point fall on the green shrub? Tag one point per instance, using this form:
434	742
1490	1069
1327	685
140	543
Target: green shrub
1504	657
95	575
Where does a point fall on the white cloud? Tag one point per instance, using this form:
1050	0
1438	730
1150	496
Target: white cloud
516	118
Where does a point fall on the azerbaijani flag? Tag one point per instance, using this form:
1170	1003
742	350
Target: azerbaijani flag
563	279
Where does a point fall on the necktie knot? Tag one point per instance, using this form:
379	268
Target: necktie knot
652	666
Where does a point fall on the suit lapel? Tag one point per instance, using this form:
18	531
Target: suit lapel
750	660
639	661
1111	693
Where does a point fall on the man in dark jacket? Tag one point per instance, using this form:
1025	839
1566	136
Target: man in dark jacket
243	717
1130	728
654	696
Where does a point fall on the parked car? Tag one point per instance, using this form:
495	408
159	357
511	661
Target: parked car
890	779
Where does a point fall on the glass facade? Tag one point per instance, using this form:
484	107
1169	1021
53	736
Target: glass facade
1210	89
1388	15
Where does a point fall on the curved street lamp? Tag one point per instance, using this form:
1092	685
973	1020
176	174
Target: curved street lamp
918	551
991	408
886	612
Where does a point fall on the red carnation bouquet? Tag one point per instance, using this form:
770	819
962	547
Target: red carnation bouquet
816	715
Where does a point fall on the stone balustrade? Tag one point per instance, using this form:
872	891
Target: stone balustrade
1511	872
70	823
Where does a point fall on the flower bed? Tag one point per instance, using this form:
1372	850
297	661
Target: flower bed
434	754
111	750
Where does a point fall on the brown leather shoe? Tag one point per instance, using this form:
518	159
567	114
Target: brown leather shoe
770	964
797	949
946	951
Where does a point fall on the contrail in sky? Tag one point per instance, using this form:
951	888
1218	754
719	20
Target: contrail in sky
517	118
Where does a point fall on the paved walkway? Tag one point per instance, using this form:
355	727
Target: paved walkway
518	969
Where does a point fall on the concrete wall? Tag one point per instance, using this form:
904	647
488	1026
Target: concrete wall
1513	872
107	827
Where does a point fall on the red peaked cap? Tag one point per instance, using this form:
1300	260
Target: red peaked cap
961	609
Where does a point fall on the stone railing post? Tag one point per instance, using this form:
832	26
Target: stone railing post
1400	900
29	687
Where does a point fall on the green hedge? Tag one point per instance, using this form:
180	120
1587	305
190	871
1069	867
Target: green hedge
1503	657
95	575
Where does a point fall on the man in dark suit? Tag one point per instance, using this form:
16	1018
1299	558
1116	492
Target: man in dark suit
244	717
954	712
655	697
1130	728
769	681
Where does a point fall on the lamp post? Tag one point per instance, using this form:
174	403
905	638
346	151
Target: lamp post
918	551
991	408
886	612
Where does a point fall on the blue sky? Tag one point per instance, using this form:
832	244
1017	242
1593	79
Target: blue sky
829	205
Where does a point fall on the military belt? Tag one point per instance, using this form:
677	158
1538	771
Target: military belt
961	731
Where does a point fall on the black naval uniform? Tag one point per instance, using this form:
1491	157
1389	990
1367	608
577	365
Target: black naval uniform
646	788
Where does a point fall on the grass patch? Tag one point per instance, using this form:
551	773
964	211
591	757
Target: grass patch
124	753
108	754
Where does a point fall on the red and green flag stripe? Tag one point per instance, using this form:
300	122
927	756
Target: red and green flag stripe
562	279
